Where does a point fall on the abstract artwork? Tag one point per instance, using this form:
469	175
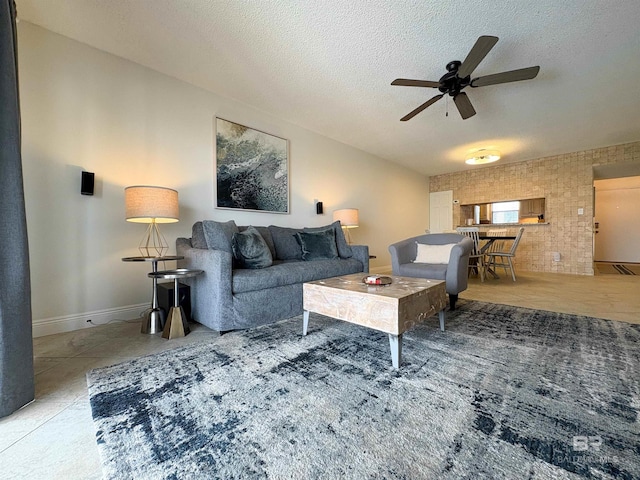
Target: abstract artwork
252	169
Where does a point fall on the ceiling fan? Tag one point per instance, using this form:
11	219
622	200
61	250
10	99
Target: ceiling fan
458	77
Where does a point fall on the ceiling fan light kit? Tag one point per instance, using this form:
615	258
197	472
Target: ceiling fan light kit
483	156
458	77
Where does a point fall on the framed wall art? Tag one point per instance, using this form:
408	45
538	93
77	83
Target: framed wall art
252	169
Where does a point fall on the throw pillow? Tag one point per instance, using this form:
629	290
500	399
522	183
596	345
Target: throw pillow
318	245
344	249
218	234
198	239
284	240
250	250
266	234
436	254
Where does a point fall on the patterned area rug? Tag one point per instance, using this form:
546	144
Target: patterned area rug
505	392
618	268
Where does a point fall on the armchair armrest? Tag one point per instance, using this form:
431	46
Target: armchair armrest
457	270
402	252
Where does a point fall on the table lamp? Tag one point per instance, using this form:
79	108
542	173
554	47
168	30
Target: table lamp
348	219
152	205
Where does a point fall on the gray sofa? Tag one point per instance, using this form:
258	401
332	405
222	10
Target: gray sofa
229	297
453	271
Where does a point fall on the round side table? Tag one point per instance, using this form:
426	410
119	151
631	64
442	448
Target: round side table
176	324
155	317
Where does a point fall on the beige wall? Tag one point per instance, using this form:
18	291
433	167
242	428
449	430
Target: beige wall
566	181
85	109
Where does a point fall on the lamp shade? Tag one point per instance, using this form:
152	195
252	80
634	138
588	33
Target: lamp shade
146	204
348	217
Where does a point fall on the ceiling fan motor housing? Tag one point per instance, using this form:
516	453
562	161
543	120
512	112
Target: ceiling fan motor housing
450	82
453	66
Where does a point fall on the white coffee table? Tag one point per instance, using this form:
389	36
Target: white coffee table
392	309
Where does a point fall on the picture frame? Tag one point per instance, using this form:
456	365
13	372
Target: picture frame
251	169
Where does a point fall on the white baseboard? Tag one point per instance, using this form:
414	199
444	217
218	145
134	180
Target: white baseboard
49	326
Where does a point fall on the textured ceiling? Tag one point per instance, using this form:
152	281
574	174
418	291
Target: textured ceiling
327	65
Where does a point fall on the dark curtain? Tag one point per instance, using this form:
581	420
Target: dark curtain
16	344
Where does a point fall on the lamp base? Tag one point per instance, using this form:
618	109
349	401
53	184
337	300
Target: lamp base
153	244
347	235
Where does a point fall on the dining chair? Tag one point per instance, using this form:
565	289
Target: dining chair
476	258
493	246
504	258
496	245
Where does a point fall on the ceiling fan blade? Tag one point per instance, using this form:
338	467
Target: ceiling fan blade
506	77
415	83
483	45
464	105
413	113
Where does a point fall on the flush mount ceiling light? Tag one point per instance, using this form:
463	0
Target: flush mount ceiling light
483	156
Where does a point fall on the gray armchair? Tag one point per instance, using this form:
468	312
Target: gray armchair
454	273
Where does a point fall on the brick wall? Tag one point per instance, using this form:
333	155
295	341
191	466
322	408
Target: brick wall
566	181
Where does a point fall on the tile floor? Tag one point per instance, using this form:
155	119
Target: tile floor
53	437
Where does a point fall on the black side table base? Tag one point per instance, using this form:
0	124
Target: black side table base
153	321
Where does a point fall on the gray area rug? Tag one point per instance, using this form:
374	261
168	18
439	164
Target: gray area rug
505	392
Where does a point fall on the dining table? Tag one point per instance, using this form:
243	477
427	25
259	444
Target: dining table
489	240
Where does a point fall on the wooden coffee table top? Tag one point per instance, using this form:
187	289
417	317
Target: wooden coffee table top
391	308
399	288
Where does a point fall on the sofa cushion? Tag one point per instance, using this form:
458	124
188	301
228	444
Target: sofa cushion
291	272
218	235
344	249
286	245
250	250
318	245
435	254
423	270
266	234
197	236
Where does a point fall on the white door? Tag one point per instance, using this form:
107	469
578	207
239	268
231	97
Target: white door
617	220
440	211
